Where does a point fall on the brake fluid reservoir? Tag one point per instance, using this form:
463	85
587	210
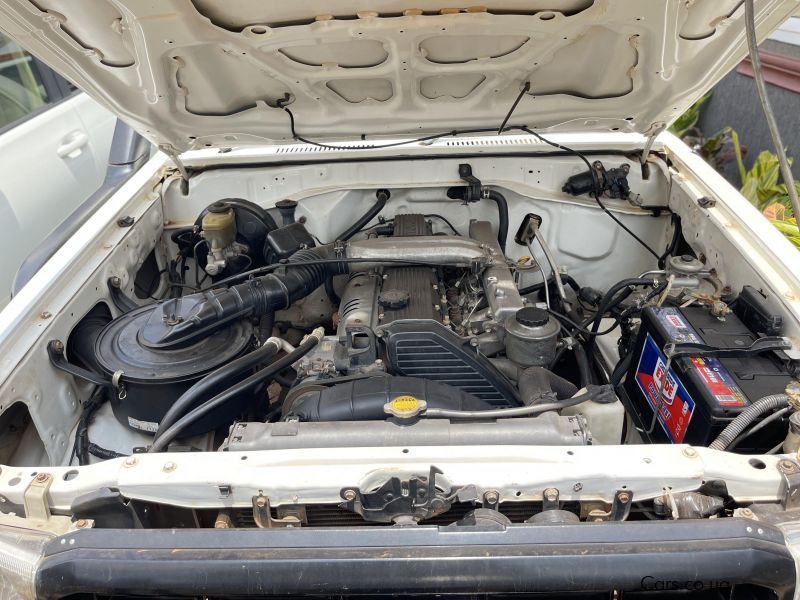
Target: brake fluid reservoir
219	226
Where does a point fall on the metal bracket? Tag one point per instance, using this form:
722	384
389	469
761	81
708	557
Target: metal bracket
550	499
686	350
398	500
473	191
118	297
620	508
55	352
173	154
35	497
263	517
790	483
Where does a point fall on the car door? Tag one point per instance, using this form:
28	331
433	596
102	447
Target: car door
54	144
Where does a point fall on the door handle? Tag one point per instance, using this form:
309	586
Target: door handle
72	144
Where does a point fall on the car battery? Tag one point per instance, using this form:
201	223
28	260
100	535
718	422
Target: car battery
700	396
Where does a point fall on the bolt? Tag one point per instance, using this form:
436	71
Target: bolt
42	477
169	466
130	461
577	487
551	494
491	497
690	452
46	315
81	523
787	466
624	497
58	346
349	495
116	282
261	502
745	512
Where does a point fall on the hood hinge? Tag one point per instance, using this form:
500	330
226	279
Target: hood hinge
653	132
173	154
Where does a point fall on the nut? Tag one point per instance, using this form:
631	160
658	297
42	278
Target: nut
42	477
690	452
349	495
624	497
745	512
81	523
551	494
261	502
46	315
491	497
577	487
169	466
787	466
130	461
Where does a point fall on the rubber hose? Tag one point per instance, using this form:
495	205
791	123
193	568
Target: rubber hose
582	361
330	291
383	196
746	418
536	287
594	393
607	303
620	370
211	382
502	217
535	383
253	380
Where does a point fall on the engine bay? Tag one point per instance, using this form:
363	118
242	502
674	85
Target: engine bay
457	317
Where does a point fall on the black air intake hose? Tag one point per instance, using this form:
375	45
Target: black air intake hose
187	319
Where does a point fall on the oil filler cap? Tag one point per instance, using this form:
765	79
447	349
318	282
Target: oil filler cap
404	407
530	316
394	299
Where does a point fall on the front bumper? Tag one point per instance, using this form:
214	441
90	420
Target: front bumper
626	556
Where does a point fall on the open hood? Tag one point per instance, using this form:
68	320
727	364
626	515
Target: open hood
207	73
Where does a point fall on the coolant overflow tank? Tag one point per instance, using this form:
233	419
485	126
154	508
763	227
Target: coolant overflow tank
531	337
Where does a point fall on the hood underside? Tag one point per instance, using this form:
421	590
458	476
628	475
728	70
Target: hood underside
197	73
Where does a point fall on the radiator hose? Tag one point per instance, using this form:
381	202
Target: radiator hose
746	418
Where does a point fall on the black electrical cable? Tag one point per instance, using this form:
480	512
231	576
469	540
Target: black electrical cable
427	138
446	222
253	380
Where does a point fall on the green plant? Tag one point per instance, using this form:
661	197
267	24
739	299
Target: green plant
760	186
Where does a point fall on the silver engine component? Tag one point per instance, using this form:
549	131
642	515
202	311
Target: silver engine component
498	282
531	337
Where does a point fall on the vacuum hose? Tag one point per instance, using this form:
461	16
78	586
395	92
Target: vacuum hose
746	418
